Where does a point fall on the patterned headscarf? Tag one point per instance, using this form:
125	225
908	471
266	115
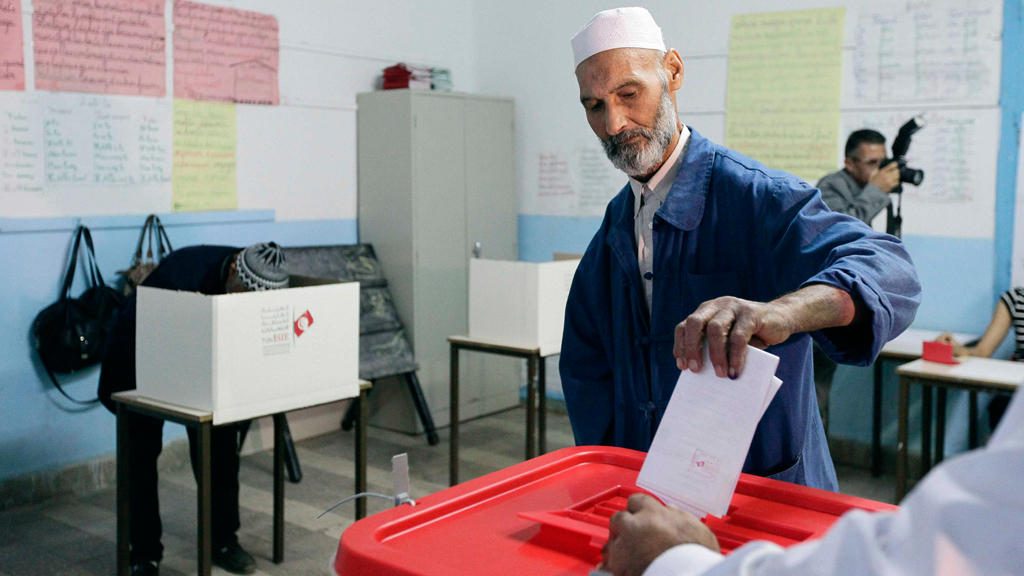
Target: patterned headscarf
262	267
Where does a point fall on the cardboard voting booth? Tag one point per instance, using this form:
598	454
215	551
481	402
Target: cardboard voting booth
250	354
549	516
519	303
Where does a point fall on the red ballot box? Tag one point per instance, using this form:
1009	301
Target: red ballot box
550	516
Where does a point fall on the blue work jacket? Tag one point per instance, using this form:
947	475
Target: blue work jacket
729	227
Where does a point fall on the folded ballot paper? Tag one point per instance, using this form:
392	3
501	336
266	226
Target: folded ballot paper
705	434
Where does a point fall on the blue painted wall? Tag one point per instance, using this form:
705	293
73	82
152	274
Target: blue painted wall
39	429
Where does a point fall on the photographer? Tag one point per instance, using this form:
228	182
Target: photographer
861	189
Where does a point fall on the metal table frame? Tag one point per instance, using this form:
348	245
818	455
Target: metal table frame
536	410
908	376
202	422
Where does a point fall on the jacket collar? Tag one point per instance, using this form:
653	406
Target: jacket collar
684	207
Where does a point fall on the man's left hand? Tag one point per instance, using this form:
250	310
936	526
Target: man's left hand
645	531
729	325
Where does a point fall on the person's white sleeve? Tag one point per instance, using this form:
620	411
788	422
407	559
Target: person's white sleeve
963	518
683	560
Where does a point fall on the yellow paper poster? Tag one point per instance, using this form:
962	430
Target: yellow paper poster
203	176
784	89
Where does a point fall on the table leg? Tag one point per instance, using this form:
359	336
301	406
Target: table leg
940	424
453	446
531	406
279	450
363	417
542	407
123	493
926	428
205	510
876	422
903	411
972	423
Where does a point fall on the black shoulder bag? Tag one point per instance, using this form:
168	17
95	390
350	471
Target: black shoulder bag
72	333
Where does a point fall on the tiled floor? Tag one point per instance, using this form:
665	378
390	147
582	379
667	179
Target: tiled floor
76	536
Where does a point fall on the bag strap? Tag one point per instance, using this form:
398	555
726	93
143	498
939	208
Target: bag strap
94	268
163	240
142	237
69	275
60	389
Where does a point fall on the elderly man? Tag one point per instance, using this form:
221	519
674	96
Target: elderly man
208	270
966	518
706	245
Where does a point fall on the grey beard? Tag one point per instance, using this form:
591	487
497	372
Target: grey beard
640	159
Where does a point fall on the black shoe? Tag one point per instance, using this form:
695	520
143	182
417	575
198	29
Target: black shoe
145	569
235	560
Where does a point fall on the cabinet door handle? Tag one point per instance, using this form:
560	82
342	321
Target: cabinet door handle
477	249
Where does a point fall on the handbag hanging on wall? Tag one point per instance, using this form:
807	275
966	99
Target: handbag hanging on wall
72	333
142	267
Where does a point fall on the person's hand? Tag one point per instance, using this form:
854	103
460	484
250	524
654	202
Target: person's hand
729	324
887	178
958	350
645	531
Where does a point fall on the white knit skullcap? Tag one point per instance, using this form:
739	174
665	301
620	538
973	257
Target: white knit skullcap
618	28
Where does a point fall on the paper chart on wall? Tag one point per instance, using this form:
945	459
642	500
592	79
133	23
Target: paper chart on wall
580	182
224	54
942	51
957	149
784	89
12	53
205	156
100	47
53	142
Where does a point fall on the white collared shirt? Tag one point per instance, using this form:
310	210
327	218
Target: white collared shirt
647	198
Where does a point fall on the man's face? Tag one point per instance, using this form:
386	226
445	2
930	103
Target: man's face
865	162
629	98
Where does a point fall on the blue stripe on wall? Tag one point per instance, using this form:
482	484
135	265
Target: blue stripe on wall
1011	99
541	236
36	429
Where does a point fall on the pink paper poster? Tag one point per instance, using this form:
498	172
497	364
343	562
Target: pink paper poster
12	54
224	54
101	46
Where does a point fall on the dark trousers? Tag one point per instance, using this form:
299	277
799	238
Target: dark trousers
146	442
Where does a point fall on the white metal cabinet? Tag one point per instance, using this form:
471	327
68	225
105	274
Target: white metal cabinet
437	175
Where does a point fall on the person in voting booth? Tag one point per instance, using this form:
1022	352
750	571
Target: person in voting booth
706	245
208	270
965	517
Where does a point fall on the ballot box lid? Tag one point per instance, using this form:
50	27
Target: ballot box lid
550	515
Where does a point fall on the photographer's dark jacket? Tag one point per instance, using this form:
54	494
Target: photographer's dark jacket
194	269
729	227
842	194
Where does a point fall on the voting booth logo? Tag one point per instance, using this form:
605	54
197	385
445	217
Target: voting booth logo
704	466
302	323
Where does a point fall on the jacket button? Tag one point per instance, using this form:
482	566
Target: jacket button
645	341
648	275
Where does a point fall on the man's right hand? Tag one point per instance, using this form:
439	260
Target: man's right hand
887	178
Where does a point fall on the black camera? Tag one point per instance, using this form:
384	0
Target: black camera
915	176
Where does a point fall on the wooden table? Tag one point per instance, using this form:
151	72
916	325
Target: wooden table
202	422
972	374
535	369
905	347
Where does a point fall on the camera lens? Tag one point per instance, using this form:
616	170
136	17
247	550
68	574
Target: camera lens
912	176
